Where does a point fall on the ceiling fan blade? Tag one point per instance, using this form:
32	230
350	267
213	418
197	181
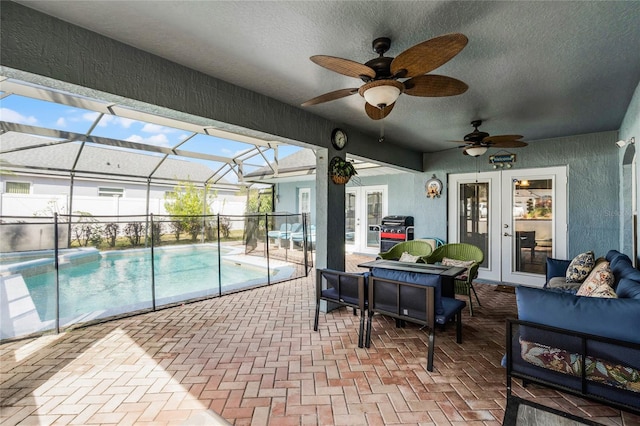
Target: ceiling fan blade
434	85
376	113
428	55
508	144
331	96
502	138
344	66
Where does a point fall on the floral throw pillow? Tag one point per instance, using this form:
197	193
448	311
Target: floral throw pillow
600	276
580	267
604	291
406	257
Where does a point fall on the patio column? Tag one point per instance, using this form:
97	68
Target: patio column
330	221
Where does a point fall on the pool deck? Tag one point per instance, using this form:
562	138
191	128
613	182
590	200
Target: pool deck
253	358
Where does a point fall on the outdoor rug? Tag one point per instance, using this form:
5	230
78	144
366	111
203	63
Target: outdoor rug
521	412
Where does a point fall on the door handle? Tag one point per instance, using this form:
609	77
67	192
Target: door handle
506	234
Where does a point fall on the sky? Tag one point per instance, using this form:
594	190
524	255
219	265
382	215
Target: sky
35	112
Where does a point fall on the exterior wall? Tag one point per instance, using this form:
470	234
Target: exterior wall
593	211
629	128
52	194
593	186
288	197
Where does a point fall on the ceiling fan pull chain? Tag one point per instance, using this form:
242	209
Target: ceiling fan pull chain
381	138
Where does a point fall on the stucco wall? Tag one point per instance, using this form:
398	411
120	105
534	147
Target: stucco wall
629	128
593	185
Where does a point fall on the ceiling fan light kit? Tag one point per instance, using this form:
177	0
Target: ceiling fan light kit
381	93
476	151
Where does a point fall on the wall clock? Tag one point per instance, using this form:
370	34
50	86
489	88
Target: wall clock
339	139
433	187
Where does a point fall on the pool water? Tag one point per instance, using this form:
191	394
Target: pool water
122	282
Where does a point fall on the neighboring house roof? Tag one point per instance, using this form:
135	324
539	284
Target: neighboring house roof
301	165
23	151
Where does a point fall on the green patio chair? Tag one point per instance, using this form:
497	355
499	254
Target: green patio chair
414	248
461	251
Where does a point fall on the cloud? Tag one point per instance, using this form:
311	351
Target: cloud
155	128
15	117
156	140
109	120
61	122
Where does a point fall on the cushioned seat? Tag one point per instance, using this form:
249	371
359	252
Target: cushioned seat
450	307
345	289
413	297
461	252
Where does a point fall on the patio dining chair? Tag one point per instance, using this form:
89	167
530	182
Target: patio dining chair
415	248
462	252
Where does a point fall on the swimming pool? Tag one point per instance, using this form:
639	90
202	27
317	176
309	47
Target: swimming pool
99	284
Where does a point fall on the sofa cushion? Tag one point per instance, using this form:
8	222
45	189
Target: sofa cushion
628	288
556	268
580	267
414	278
622	267
600	276
593	315
560	283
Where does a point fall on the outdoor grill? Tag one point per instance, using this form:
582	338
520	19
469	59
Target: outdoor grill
395	229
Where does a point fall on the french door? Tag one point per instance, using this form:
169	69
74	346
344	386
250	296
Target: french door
517	217
365	206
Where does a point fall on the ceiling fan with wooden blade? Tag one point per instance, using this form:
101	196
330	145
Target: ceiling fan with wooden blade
477	142
383	75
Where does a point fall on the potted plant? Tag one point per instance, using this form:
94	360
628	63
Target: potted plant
341	170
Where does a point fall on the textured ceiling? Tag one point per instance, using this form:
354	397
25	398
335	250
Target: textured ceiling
539	69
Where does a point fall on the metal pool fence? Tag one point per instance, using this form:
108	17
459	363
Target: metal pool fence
65	271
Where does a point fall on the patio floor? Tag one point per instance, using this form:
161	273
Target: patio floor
253	358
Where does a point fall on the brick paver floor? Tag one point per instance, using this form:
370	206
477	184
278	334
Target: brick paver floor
253	358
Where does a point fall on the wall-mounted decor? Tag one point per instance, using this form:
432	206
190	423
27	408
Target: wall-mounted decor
502	160
341	170
338	139
433	187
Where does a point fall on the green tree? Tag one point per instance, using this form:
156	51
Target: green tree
259	200
186	203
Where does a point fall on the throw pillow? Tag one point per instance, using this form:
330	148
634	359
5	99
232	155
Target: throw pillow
580	267
604	291
462	263
600	276
406	257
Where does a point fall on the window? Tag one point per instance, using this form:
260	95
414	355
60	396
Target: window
110	192
304	200
18	188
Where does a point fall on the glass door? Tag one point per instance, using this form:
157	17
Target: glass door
364	209
517	218
534	222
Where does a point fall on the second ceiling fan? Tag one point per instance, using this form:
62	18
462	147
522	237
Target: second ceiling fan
477	142
382	74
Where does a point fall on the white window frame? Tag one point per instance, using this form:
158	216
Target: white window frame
110	191
7	183
301	207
